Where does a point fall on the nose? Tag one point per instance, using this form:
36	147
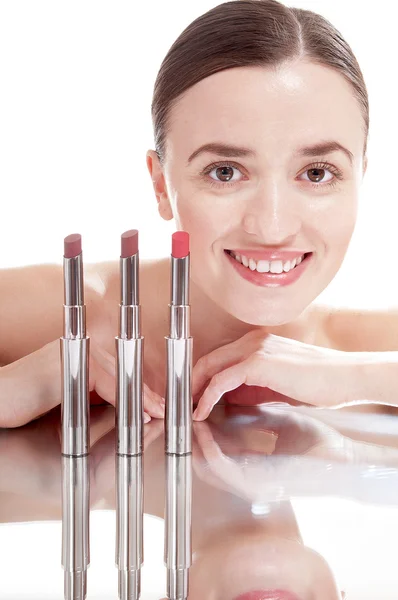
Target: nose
272	215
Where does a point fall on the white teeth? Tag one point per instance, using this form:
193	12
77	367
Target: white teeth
252	264
265	266
276	266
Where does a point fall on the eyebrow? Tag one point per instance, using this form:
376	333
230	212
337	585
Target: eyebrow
227	150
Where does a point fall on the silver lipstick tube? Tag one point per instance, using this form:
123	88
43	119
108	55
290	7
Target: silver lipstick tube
129	363
179	393
178	439
129	526
75	526
74	363
178	546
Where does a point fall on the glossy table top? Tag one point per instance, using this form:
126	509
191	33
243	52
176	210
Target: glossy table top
284	498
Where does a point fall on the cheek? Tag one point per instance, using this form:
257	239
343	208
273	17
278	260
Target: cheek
207	219
334	225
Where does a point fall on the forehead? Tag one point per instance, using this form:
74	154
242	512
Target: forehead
259	106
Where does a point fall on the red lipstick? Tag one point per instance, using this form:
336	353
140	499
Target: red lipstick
180	244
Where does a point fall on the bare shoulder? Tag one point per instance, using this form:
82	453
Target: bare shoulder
357	330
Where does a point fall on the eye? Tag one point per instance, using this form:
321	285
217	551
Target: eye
322	173
224	173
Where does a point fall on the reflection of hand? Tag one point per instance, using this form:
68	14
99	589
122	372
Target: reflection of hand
31	386
284	452
30	460
305	373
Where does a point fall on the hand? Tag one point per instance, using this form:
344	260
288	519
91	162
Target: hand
31	386
30	465
309	374
260	454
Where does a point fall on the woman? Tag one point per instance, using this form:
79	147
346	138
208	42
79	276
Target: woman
261	120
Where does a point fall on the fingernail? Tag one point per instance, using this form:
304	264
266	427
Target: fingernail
147	418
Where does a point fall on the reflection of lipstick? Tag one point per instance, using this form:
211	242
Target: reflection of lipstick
268	595
129	419
178	550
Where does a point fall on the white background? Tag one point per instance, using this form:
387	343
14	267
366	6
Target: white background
76	86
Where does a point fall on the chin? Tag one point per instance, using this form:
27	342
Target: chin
265	314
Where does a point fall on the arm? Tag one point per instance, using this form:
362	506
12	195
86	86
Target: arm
31	301
361	330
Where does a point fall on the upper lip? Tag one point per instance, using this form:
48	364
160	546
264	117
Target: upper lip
288	254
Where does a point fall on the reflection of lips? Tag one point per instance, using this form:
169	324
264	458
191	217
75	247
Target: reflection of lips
268	595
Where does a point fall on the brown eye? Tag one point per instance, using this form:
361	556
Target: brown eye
316	175
224	173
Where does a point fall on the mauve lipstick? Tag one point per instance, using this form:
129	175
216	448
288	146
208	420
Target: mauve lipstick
75	426
74	354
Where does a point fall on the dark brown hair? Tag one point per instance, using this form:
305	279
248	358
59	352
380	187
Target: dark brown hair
245	33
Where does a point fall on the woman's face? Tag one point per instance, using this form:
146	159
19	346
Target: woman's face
257	566
255	192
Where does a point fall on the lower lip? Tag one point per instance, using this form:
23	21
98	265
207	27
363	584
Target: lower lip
268	595
270	279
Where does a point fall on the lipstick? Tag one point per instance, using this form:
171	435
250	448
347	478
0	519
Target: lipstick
129	420
129	352
178	435
75	425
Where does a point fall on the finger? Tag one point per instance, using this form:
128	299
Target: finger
210	364
102	382
154	404
106	361
222	382
152	432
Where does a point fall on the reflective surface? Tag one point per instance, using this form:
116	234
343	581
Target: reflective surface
292	502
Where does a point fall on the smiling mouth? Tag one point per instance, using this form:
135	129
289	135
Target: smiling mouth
267	266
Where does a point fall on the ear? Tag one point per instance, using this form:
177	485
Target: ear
365	165
159	185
